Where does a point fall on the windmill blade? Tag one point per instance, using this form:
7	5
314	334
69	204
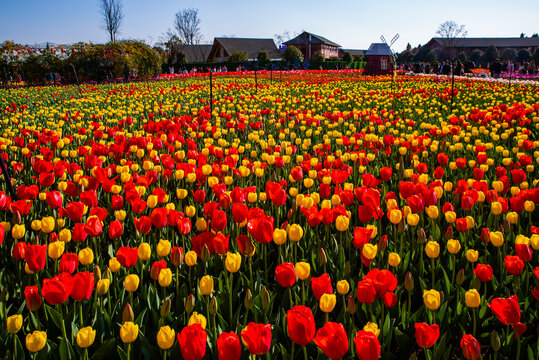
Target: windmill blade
394	39
383	39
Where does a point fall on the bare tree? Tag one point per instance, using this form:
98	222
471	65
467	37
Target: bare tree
284	37
111	10
449	32
187	25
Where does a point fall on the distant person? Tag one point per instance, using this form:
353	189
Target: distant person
495	69
427	68
458	68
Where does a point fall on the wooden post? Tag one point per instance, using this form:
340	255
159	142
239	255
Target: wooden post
211	95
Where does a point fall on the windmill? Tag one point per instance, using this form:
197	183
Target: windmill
395	38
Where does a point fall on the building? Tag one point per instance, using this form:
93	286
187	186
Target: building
446	48
195	53
309	44
352	52
378	60
222	48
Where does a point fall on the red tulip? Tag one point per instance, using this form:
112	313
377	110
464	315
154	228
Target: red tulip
332	340
385	173
218	220
159	217
426	335
57	290
367	345
46	179
75	210
285	274
461	224
239	212
79	233
513	264
143	224
19	251
85	286
383	281
94	226
127	256
507	310
257	337
204	238
300	324
192	340
361	237
261	229
471	349
117	202
176	256
229	346
220	243
100	212
68	263
184	225
33	299
199	196
54	199
157	266
483	272
366	292
116	229
524	252
321	285
36	257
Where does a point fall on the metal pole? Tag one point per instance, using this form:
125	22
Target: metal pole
211	94
452	83
256	83
8	179
76	78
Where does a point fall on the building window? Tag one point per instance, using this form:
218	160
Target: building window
384	63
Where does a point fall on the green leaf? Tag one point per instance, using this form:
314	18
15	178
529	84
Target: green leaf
104	350
66	351
55	316
121	353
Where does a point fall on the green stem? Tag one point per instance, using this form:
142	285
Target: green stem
518	344
61	308
230	287
164	355
129	351
80	315
302	292
474	314
85	354
14	346
291	300
305	352
432	271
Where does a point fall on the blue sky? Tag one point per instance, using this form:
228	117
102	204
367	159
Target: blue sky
352	24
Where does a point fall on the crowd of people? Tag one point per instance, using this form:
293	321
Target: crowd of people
459	68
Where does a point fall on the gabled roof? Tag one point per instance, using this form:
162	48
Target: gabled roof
196	53
251	46
486	42
379	49
315	39
352	52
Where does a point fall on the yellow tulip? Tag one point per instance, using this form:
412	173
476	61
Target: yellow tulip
432	249
206	285
163	248
14	324
197	318
85	337
395	216
114	265
165	277
165	337
144	251
56	249
342	223
394	259
64	235
36	341
233	262
327	302
343	287
473	299
129	332
103	286
47	224
431	299
86	256
191	258
496	238
295	232
453	246
131	282
472	255
373	328
279	236
369	251
412	219
18	231
303	270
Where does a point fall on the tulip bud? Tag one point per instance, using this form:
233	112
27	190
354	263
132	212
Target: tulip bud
409	282
382	243
213	306
421	236
248	302
449	233
495	341
205	253
506	226
265	298
108	274
97	274
413	357
189	304
165	308
477	283
347	268
4	295
127	314
460	277
400	227
322	256
351	305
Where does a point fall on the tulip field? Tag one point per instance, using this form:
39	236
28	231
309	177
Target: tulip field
299	215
